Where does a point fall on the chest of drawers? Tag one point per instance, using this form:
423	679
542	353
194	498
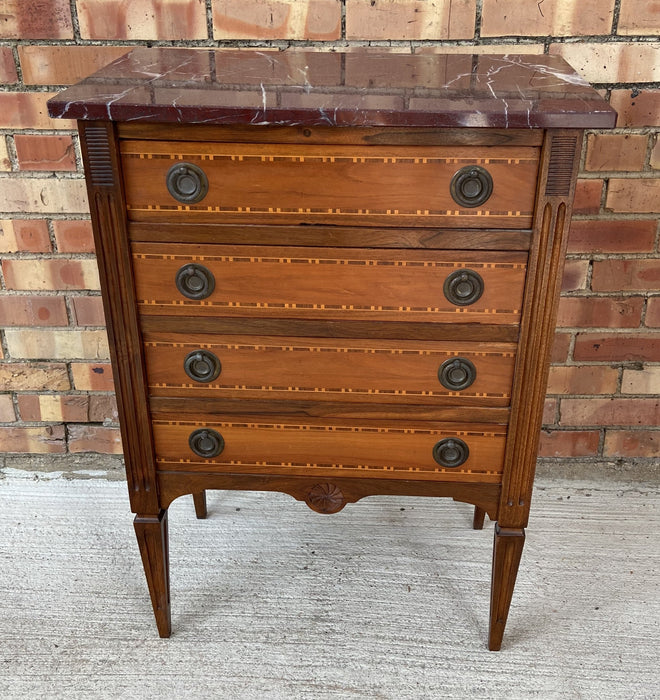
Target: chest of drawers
336	286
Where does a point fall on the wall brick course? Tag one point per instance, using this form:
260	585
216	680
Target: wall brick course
24	235
603	236
627	275
639	17
634	195
92	376
569	443
51	273
57	345
5	161
103	407
612	62
560	347
44	196
605	412
617	347
583	379
7	412
36	19
410	19
588	194
22	376
566	18
600	312
550	410
88	311
37	152
94	438
53	408
315	20
575	275
73	236
64	65
653	313
27	110
631	443
616	152
654	160
142	19
641	381
49	439
8	75
637	107
33	311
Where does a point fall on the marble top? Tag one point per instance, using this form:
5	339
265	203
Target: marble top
353	88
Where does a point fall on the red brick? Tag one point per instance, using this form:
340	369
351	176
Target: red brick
45	195
36	19
600	312
610	412
8	74
616	152
25	376
52	273
64	65
27	110
634	195
549	19
626	275
94	438
617	347
550	410
583	379
47	439
73	236
641	379
636	107
24	236
569	443
92	376
575	275
653	313
410	20
607	236
142	19
588	194
560	347
315	20
7	413
632	443
102	407
639	17
45	152
654	160
53	407
33	311
89	311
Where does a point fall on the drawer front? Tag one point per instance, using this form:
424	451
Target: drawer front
333	448
412	372
461	186
325	283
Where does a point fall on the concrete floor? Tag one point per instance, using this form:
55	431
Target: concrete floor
388	599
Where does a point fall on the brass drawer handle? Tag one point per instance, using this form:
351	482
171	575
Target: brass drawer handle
450	452
202	365
206	443
471	186
187	183
195	281
457	374
463	287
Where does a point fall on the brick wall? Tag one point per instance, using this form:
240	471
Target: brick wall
55	381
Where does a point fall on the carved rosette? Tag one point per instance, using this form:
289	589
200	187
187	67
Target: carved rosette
325	498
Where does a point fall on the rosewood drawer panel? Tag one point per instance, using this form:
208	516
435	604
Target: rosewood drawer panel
341	448
449	373
360	185
322	283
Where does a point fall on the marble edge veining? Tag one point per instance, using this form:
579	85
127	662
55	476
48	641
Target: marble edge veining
299	88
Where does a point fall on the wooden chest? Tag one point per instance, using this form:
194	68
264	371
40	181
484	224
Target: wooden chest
334	288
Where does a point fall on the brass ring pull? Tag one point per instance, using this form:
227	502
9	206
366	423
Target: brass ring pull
450	452
187	183
202	366
206	443
195	281
471	186
457	374
463	287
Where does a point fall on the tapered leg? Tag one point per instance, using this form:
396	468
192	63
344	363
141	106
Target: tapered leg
507	550
151	532
479	517
199	499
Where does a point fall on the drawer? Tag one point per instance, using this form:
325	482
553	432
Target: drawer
396	450
455	186
411	372
323	283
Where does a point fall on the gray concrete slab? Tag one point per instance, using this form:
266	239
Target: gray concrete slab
388	599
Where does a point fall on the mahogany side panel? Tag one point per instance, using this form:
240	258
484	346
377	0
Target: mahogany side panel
107	206
556	187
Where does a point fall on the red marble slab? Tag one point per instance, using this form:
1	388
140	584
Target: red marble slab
306	88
